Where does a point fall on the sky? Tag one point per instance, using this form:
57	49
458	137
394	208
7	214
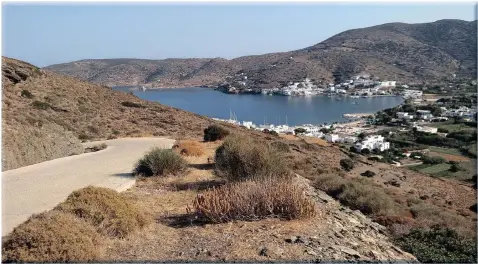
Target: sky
45	34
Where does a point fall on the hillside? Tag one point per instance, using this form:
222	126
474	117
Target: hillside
45	115
398	51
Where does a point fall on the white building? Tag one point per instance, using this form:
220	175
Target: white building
388	84
248	124
314	134
424	114
426	129
412	93
404	115
332	137
350	139
374	142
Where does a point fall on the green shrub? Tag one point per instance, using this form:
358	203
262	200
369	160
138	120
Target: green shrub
160	162
300	130
455	168
215	132
438	245
132	104
368	173
443	130
433	160
27	94
347	164
365	151
274	133
41	105
241	158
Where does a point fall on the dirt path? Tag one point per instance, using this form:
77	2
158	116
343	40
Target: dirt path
39	187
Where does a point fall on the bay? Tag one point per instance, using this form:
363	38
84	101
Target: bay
264	108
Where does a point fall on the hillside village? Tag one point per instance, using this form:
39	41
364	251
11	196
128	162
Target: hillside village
362	132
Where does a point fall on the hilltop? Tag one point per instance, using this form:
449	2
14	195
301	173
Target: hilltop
393	51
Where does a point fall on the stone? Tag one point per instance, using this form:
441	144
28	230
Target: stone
311	252
271	252
349	251
299	239
338	234
291	239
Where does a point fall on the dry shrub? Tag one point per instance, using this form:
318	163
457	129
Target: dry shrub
428	215
358	194
52	237
160	162
96	148
251	200
111	213
242	158
189	148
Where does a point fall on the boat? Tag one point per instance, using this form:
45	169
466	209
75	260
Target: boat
143	88
355	103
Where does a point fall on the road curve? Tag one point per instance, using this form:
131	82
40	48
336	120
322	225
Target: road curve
39	187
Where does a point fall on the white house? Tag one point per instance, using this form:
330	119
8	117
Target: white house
404	115
388	84
373	142
426	129
412	93
350	139
248	124
424	114
332	137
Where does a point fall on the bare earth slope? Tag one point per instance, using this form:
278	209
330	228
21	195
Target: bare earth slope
45	115
398	51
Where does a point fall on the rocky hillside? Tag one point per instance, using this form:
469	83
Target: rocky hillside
45	115
398	51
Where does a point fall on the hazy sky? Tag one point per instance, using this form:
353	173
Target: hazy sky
53	33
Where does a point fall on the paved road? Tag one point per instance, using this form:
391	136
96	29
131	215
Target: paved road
39	187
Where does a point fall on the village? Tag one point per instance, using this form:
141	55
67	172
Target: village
371	133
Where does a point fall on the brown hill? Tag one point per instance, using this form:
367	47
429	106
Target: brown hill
398	51
45	115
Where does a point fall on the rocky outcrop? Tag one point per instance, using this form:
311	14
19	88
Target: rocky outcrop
346	234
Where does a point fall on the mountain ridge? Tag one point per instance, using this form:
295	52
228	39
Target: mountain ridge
399	51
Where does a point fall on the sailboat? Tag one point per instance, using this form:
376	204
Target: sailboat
143	88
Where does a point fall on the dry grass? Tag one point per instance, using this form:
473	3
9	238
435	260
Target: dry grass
51	237
96	148
242	158
358	194
111	213
189	148
252	200
160	162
